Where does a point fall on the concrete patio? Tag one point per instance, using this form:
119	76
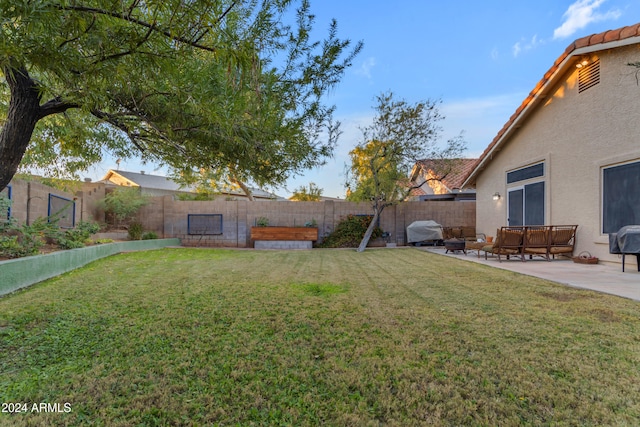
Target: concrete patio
601	277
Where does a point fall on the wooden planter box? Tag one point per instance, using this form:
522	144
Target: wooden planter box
284	233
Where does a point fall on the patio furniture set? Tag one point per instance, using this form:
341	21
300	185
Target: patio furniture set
460	238
545	241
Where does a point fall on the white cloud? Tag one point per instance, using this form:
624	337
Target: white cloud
525	45
366	67
580	14
516	49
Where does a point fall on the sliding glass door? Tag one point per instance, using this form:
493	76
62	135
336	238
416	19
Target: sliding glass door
526	204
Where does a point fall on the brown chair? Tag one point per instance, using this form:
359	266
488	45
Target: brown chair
451	233
536	241
508	242
469	234
562	240
477	244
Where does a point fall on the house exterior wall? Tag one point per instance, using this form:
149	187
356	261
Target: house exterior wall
575	135
116	179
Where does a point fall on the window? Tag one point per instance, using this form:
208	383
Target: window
525	173
525	203
204	224
620	196
62	209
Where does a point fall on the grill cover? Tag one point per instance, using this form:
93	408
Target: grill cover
420	231
625	241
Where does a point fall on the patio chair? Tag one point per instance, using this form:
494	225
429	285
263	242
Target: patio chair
562	240
477	244
451	233
536	241
508	242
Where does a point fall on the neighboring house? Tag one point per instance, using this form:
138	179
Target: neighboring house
152	185
440	177
570	152
155	185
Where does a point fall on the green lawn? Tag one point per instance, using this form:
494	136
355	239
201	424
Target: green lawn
323	337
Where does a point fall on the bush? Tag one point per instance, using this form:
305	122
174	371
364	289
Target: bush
349	232
13	247
135	231
149	235
21	241
25	240
123	203
78	236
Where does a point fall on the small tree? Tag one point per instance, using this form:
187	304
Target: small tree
123	203
307	194
400	135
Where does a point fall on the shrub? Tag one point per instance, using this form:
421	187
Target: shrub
123	203
11	247
78	236
349	232
135	231
25	240
21	241
149	235
262	222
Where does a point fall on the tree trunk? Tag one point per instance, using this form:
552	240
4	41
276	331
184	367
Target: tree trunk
24	112
239	183
377	210
244	188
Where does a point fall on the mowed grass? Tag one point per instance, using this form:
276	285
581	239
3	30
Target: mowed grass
322	337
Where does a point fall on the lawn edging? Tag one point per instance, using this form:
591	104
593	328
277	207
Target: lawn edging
22	272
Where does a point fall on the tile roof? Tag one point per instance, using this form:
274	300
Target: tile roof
456	176
592	43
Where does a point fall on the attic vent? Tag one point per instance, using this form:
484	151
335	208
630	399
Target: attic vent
589	76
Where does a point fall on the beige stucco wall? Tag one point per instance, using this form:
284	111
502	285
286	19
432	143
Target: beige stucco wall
575	134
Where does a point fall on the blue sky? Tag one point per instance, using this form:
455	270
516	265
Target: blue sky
480	58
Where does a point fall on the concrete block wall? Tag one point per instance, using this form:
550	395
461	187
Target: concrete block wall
152	215
239	216
175	222
30	200
169	218
89	197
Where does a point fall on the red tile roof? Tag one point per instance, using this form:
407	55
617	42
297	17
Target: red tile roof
454	178
593	40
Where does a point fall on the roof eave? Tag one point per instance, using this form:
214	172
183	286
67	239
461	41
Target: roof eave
562	64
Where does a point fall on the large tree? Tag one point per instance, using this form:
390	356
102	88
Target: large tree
400	135
221	84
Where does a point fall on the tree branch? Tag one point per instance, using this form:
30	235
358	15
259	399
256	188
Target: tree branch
55	106
129	18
